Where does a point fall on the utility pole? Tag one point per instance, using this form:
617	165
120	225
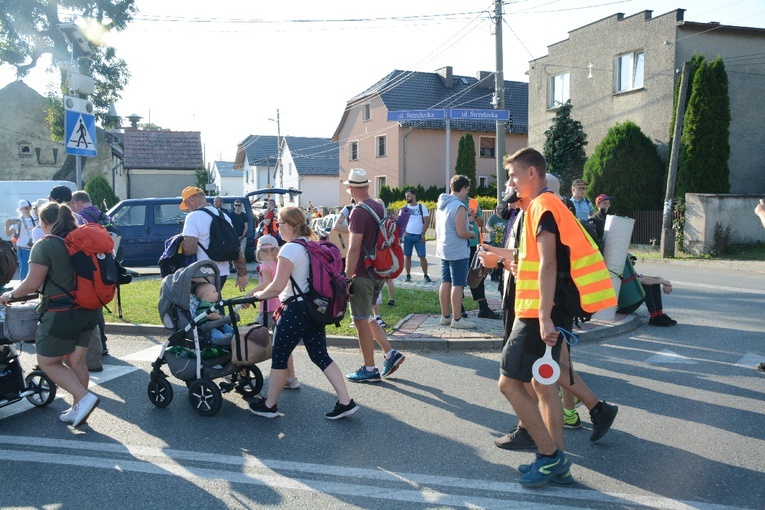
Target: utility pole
278	147
499	99
667	235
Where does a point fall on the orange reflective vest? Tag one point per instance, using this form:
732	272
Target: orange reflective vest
473	204
588	270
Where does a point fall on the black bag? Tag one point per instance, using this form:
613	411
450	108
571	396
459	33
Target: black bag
224	241
567	296
8	262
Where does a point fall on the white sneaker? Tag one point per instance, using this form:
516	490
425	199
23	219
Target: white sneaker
292	383
462	324
445	321
67	416
82	409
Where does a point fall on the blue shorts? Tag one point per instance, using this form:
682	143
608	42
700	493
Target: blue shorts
455	271
414	241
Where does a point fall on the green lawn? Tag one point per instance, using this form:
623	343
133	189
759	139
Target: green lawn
139	305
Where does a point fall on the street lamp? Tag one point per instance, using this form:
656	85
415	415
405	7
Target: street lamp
278	145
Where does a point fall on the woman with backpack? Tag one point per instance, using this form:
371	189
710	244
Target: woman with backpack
62	337
293	322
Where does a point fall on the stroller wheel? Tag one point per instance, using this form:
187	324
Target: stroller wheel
205	397
160	392
44	388
250	381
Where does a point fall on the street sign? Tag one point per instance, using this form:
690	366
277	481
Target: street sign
478	114
210	186
410	115
80	134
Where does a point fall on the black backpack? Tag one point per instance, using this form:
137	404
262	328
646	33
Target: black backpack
224	241
8	262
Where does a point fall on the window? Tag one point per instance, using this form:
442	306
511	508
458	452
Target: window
25	150
353	151
558	90
164	214
380	181
628	71
486	147
132	216
483	181
366	112
381	146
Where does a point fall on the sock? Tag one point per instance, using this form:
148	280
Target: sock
371	369
457	320
657	313
447	316
569	412
549	456
389	353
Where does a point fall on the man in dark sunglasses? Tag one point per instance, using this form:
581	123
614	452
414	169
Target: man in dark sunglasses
240	223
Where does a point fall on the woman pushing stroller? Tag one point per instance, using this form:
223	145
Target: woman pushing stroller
294	324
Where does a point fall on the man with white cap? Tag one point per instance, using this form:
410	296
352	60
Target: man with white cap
196	234
363	287
21	228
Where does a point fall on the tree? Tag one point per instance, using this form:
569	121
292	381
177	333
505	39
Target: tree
203	178
99	190
564	146
466	164
705	140
627	166
29	29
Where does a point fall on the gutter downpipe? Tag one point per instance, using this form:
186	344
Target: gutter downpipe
404	169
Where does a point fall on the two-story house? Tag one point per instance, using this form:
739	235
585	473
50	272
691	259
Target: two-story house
414	152
626	68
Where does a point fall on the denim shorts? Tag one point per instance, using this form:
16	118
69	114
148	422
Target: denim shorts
414	241
455	271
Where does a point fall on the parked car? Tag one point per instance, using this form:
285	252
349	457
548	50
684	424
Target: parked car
145	224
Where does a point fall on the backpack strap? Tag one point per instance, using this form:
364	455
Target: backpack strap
205	209
54	299
419	205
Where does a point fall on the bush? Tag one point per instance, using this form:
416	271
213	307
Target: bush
99	190
627	166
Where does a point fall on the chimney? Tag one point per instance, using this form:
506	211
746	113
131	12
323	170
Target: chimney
134	118
446	76
486	80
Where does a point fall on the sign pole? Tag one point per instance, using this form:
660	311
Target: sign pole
448	135
78	171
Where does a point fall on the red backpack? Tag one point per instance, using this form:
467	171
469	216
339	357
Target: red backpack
387	261
327	293
90	250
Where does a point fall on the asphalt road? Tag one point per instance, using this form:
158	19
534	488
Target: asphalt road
690	431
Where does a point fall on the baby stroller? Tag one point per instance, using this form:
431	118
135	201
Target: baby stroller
36	387
190	353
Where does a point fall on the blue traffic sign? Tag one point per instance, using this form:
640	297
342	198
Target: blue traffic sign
80	131
478	114
413	115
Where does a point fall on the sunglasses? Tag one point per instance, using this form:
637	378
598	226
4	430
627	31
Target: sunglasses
237	205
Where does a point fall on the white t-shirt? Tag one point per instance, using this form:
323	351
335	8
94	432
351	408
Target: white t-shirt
197	225
300	265
415	224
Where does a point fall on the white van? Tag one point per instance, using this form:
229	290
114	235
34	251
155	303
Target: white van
13	191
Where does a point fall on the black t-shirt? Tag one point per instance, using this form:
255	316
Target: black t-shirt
547	224
238	221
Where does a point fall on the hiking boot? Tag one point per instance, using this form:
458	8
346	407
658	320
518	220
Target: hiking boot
258	407
381	322
408	278
545	469
82	409
392	363
462	324
563	479
292	383
445	321
602	417
364	375
518	439
571	419
487	313
342	410
427	279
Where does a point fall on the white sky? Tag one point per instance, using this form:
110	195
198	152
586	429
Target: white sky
211	67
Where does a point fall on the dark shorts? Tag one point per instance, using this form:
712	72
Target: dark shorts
60	332
525	346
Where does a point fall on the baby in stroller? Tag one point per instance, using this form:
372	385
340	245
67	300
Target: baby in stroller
208	295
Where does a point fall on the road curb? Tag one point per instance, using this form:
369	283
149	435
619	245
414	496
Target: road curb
598	331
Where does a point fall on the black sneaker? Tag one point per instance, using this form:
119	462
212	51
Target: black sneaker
602	419
259	408
408	278
669	320
658	321
761	367
518	439
488	313
427	279
342	410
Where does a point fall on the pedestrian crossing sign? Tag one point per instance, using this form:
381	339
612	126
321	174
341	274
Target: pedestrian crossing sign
80	131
